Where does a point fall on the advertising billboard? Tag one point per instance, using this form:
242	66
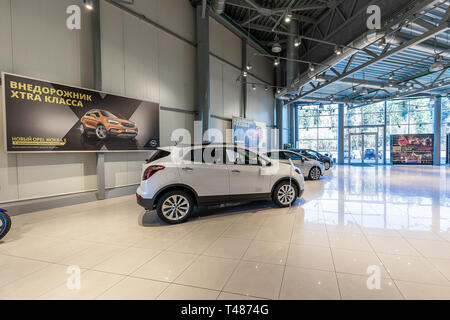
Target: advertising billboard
41	116
249	133
414	149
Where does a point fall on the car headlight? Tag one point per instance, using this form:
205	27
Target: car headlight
113	122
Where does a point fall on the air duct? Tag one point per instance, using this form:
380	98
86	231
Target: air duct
218	6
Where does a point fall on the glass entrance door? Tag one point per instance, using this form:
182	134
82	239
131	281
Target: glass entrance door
363	148
355	151
370	148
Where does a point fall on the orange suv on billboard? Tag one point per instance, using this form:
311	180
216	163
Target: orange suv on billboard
103	123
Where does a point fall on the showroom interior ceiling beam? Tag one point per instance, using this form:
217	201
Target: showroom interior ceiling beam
388	52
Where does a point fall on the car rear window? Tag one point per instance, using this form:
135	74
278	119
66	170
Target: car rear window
159	154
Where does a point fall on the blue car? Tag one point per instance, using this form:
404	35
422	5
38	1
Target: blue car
5	223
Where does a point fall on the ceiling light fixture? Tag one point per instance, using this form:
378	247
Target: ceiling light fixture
311	67
364	90
254	87
338	50
88	4
391	76
354	89
266	88
437	65
249	67
297	42
288	17
276	62
244	74
382	43
276	47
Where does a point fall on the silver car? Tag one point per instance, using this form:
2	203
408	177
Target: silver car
310	168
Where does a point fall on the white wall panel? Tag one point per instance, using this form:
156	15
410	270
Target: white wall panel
135	162
43	47
177	16
141	60
42	175
262	67
176	72
260	104
224	43
216	84
116	170
232	92
225	92
113	68
170	121
223	126
5	36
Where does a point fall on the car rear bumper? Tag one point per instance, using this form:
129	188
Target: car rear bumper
145	203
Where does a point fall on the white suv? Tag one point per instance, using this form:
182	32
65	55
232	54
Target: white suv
175	179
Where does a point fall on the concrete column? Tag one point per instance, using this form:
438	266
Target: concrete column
203	73
292	125
291	73
101	193
97	77
244	80
279	109
296	133
96	45
437	131
341	134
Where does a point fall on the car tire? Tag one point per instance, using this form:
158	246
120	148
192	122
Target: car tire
175	207
327	165
314	173
285	194
101	132
5	224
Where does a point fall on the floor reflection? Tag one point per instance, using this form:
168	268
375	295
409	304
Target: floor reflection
385	197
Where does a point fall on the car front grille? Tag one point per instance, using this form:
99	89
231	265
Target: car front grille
128	125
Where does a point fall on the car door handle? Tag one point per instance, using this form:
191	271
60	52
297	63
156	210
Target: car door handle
188	169
235	171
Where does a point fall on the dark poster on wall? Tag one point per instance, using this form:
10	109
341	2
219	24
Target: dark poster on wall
41	116
417	149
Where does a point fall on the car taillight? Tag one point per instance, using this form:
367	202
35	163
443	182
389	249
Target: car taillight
151	171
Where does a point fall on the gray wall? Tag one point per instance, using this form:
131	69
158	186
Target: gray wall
138	60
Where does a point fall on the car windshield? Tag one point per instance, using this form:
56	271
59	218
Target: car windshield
108	114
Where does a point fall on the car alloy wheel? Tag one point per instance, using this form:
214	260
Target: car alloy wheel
314	174
175	207
327	165
101	132
286	194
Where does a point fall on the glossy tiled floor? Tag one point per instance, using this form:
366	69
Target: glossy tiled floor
395	218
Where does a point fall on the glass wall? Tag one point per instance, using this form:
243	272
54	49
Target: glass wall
445	129
318	128
318	125
368	120
408	117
